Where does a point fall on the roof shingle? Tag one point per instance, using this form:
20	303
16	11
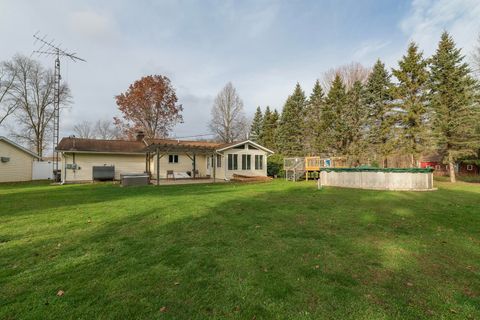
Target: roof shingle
94	145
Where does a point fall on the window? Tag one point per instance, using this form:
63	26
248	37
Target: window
173	158
258	162
219	161
438	167
246	161
232	161
469	167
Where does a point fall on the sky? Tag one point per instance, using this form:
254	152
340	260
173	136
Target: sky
263	47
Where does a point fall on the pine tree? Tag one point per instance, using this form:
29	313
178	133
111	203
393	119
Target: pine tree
355	117
381	115
290	133
411	96
269	127
333	127
454	104
313	116
256	127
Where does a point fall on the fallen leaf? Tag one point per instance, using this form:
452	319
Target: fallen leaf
409	284
60	293
317	266
163	309
453	311
176	283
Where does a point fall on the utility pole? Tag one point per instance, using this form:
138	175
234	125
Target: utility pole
50	48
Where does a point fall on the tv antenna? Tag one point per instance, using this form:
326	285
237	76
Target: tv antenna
49	48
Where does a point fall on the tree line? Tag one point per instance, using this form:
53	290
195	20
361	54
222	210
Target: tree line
422	105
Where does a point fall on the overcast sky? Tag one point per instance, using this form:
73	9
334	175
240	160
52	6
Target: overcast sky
262	47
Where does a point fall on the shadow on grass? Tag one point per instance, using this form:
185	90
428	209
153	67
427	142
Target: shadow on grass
269	252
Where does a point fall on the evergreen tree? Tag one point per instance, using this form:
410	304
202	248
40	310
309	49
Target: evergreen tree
269	126
290	133
381	115
333	127
355	118
411	96
454	104
313	116
256	126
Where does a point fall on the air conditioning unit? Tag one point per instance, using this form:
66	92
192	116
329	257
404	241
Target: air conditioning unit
5	159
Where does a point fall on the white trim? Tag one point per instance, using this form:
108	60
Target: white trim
10	142
244	142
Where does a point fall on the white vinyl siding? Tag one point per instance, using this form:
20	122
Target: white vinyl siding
18	167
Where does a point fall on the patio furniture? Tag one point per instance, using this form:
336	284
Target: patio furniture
170	173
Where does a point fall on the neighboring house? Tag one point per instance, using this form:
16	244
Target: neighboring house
469	167
434	161
174	158
16	162
462	167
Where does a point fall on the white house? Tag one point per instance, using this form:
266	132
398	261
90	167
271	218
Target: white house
161	158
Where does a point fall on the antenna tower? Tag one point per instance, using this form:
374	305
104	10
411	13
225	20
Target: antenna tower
49	48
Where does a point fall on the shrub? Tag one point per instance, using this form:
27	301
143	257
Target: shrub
275	165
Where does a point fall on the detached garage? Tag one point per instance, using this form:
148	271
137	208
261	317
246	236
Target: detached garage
16	162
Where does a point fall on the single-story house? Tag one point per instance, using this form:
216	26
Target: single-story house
16	162
462	167
469	167
434	161
161	158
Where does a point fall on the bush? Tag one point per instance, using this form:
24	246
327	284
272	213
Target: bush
275	165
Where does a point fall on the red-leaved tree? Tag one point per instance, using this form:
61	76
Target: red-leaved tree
149	105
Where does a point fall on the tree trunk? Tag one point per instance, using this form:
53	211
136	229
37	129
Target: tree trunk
451	168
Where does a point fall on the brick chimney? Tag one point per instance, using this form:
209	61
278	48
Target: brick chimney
140	135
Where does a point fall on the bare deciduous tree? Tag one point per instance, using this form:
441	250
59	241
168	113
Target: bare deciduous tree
228	118
33	91
7	103
104	129
350	73
84	130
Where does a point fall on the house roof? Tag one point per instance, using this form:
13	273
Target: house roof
234	144
101	146
432	157
16	145
72	144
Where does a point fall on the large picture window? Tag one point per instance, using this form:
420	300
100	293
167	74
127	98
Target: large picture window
173	158
246	161
258	162
232	162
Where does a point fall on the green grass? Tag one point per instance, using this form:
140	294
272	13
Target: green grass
279	250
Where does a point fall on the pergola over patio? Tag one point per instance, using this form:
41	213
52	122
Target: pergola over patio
162	147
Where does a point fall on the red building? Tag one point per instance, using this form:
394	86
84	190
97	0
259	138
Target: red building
434	161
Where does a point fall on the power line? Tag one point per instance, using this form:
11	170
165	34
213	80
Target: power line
195	136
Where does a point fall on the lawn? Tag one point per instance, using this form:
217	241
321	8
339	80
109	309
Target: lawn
279	250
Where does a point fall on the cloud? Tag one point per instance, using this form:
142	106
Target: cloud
368	48
93	25
427	19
